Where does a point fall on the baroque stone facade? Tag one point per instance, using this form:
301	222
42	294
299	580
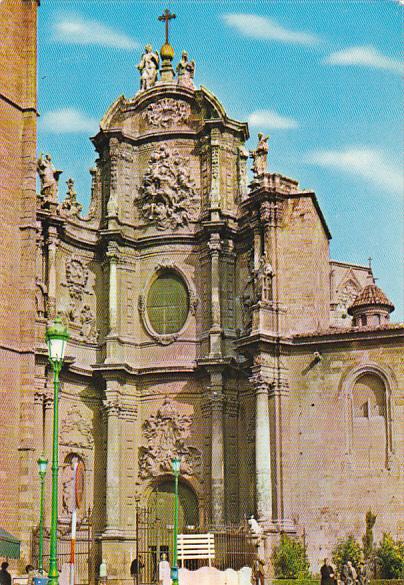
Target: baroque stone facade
208	322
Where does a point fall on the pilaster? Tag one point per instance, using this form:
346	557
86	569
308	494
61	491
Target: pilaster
52	242
215	333
215	402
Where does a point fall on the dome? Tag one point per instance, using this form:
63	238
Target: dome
371	295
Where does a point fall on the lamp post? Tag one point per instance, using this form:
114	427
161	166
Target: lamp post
176	463
56	337
42	465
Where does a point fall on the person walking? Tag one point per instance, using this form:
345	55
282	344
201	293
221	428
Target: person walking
164	571
258	571
327	574
136	566
5	577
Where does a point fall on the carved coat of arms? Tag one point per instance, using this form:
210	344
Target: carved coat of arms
168	196
167	112
165	433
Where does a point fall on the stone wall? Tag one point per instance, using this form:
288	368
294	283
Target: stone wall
17	253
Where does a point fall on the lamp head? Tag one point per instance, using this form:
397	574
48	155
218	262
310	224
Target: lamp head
176	463
42	465
56	337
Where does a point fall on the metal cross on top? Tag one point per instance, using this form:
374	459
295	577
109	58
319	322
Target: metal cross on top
166	16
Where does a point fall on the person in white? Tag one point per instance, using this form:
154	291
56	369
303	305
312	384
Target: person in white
164	571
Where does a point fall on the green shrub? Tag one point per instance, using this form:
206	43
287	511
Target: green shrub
290	559
390	557
346	550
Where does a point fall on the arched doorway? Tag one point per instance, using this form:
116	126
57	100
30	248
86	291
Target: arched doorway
155	524
161	501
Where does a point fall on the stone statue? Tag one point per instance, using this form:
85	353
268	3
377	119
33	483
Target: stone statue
186	71
67	489
260	155
88	324
49	177
263	280
255	528
148	68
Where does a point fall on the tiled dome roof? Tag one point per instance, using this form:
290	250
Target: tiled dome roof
371	295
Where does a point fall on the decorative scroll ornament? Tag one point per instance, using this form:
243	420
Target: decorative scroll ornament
76	431
167	112
165	433
168	194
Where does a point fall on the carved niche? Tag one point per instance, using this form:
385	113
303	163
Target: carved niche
167	197
75	430
167	113
165	433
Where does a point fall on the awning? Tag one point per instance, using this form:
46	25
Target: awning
9	545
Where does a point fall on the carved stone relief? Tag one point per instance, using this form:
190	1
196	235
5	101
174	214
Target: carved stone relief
167	197
75	430
165	433
77	277
167	112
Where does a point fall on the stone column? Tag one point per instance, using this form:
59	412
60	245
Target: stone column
113	504
52	247
215	332
216	401
112	254
262	450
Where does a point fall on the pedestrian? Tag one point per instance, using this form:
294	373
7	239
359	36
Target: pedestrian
5	577
258	571
31	572
350	574
327	574
136	566
164	571
363	578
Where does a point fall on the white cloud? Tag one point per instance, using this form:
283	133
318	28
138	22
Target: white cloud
75	29
369	164
271	120
259	27
67	121
364	56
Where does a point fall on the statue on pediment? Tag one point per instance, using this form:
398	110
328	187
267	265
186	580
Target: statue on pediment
260	156
49	178
186	71
148	68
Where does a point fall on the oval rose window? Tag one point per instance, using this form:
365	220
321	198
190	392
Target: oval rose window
167	303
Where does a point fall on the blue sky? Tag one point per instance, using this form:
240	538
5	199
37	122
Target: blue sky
322	78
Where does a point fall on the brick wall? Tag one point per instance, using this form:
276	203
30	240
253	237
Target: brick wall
17	253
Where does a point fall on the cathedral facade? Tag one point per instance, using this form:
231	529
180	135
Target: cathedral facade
207	321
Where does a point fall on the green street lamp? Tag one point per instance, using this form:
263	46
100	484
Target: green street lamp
42	465
176	463
56	338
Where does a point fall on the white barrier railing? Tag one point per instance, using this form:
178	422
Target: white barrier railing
196	546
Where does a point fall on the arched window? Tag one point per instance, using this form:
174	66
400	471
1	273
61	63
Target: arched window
369	424
167	303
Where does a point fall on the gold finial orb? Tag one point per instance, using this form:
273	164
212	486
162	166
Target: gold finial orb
167	52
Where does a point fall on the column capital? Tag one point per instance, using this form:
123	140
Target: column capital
48	400
260	383
39	398
113	252
112	407
214	244
269	213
